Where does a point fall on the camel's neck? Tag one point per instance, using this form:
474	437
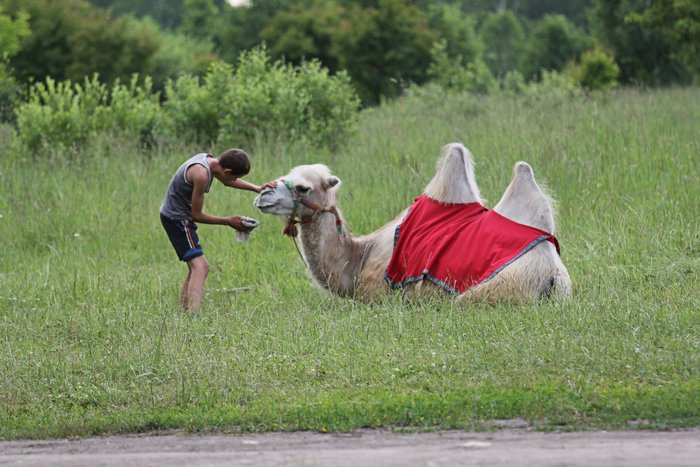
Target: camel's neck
334	259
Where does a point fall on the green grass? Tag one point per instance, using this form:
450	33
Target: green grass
92	341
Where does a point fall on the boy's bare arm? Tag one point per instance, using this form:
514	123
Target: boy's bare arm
245	185
199	178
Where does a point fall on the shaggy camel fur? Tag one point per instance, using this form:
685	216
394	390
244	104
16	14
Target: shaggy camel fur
355	266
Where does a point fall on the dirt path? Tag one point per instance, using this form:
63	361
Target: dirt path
368	448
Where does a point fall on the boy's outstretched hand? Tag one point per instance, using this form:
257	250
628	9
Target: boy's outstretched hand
235	222
271	184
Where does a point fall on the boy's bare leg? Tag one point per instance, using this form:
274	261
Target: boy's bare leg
183	290
199	268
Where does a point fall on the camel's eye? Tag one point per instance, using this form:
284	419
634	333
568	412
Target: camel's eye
302	189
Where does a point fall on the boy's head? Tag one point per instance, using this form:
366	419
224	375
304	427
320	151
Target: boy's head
236	160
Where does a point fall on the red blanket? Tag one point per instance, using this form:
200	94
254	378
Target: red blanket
457	246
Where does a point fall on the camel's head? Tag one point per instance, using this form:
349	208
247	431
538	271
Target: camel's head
304	191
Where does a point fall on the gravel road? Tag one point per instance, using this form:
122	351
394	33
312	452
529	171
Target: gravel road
508	447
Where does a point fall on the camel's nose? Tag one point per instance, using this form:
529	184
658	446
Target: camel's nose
260	202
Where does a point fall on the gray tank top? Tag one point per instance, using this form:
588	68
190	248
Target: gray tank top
177	204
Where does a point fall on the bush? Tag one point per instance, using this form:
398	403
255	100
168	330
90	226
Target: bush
63	115
10	92
596	71
453	74
554	43
233	105
553	85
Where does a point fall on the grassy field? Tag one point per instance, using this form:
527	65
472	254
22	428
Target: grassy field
92	341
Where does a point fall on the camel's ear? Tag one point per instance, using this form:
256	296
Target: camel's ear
331	181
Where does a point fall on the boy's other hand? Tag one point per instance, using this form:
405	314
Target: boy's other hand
236	223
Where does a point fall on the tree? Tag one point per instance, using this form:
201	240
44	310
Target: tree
385	47
12	30
458	30
679	22
198	19
11	33
503	36
71	39
239	28
167	13
644	56
554	43
306	32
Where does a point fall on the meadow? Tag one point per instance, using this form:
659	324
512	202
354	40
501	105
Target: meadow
92	340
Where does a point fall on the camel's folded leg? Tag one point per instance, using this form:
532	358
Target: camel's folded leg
540	273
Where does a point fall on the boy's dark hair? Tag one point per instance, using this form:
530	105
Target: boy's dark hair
236	160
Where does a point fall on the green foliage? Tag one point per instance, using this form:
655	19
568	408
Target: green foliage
72	39
195	106
554	43
167	13
678	20
596	71
62	115
644	55
458	32
305	32
12	30
178	55
554	86
198	19
112	49
239	28
504	38
386	48
453	74
262	96
10	92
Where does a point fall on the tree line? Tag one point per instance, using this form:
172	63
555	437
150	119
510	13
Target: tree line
383	45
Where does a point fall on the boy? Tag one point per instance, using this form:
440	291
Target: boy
182	207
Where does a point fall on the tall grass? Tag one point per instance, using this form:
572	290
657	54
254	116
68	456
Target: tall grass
92	341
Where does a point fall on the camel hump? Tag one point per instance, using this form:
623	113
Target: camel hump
525	202
454	180
523	171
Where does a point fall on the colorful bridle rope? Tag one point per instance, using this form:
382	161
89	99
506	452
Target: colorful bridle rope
290	228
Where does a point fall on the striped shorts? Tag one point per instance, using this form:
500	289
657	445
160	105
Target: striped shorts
183	236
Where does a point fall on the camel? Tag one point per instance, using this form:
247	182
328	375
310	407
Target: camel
356	267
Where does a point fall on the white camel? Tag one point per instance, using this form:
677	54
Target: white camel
357	266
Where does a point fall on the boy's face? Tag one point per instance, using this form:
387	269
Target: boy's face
229	176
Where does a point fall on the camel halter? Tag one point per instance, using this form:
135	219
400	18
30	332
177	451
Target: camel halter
290	229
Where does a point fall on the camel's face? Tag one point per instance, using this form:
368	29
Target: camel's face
278	201
303	186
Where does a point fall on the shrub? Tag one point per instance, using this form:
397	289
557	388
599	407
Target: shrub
64	115
473	76
10	92
553	85
261	96
596	71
